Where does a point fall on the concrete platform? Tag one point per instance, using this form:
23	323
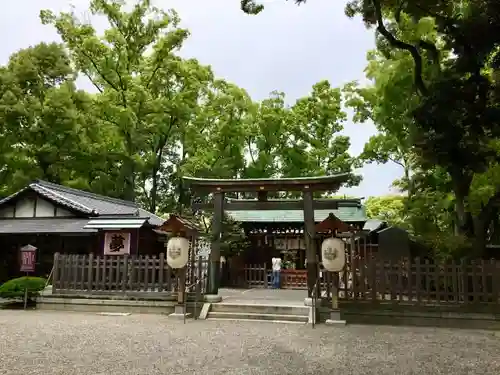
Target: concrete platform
261	295
105	305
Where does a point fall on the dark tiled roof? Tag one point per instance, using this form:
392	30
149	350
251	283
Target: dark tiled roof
85	202
45	225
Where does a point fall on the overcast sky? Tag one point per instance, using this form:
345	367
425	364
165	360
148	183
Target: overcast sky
286	48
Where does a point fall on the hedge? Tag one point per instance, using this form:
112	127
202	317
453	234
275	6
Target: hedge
15	288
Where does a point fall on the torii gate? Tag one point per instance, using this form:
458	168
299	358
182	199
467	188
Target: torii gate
262	186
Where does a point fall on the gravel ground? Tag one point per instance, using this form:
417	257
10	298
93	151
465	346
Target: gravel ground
41	342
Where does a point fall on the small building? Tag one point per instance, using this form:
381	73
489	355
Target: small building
282	231
55	218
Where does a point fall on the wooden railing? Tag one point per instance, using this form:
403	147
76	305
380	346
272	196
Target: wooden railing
259	276
411	281
416	281
112	274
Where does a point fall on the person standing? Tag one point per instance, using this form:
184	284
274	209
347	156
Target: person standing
276	264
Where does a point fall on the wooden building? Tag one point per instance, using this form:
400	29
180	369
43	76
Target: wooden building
281	232
55	218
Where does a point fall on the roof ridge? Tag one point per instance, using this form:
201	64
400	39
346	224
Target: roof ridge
152	214
78	204
85	193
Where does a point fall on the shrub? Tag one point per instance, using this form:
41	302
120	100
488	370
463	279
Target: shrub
15	288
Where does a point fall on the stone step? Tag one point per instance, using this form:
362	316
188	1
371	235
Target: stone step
257	317
260	309
256	320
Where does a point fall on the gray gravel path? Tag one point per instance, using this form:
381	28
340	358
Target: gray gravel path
53	343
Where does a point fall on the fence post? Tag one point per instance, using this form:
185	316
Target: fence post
409	279
125	273
418	281
55	273
484	275
74	266
495	280
474	281
90	271
373	278
161	272
265	276
454	282
465	281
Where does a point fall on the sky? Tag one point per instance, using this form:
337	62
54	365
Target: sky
286	48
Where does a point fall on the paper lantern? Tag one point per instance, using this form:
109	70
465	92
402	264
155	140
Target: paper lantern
333	254
177	252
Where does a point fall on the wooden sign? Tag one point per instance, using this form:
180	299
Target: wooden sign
28	258
117	243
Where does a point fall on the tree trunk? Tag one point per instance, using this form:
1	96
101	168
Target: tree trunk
461	188
479	239
155	176
129	170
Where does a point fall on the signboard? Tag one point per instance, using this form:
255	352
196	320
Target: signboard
117	243
28	258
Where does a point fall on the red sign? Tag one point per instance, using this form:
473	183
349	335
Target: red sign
28	258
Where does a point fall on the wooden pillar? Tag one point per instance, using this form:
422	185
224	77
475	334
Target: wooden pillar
310	235
214	271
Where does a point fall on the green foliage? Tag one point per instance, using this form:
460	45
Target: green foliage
15	288
155	116
389	208
234	240
437	112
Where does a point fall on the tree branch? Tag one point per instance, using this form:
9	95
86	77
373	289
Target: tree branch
94	64
93	82
417	58
433	52
395	161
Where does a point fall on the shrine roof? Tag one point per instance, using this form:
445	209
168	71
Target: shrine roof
348	214
320	183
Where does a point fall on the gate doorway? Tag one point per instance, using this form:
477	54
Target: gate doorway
222	196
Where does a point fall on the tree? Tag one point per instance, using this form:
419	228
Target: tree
389	208
45	133
268	130
456	122
388	102
146	91
314	146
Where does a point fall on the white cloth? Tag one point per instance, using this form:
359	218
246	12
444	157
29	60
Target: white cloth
276	262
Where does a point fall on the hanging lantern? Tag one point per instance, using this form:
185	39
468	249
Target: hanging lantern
333	254
177	252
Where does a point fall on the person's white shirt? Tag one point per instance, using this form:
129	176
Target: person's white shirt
276	264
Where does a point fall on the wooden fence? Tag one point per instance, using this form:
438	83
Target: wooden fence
414	281
407	280
259	276
89	274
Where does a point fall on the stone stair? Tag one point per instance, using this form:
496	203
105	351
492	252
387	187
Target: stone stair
259	312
